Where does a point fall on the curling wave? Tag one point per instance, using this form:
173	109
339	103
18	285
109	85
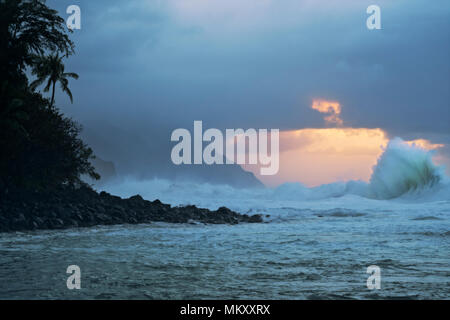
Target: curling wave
402	169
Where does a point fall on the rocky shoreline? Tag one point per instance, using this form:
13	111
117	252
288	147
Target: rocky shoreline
84	207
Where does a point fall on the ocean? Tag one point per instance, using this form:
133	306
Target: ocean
315	243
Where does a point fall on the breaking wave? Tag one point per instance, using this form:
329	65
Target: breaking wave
403	171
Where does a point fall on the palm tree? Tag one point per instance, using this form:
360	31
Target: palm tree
51	67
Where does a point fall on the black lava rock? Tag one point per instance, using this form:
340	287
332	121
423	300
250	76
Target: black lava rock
84	207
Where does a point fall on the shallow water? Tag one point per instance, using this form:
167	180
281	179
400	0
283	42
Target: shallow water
306	250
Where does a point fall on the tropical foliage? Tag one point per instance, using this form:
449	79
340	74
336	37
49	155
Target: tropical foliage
40	148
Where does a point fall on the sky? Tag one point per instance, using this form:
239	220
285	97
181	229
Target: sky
148	67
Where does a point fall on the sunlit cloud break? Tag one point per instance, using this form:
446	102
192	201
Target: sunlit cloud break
333	108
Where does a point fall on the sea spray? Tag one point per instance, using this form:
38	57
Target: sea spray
402	171
403	168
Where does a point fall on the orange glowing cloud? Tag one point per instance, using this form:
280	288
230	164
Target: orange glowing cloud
333	108
320	156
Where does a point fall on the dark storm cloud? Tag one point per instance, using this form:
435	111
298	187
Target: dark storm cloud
148	67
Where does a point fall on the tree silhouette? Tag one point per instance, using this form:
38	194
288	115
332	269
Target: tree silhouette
40	148
51	67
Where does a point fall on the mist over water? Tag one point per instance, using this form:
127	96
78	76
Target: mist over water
316	242
316	71
404	172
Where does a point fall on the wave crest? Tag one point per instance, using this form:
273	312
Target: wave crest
403	168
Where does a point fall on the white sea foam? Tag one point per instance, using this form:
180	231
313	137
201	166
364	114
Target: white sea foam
404	169
403	177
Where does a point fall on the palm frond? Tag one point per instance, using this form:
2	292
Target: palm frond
71	75
65	88
36	83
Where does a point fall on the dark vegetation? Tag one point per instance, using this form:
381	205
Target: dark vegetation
41	148
42	156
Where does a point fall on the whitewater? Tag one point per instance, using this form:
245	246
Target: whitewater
404	174
316	243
